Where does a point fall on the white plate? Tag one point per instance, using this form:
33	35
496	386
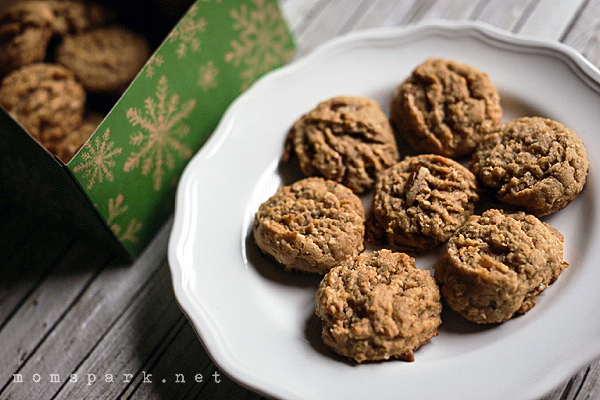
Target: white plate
257	322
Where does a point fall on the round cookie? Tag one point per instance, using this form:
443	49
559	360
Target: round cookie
534	163
445	107
378	306
73	16
104	60
420	202
347	139
26	28
497	263
46	99
310	225
25	32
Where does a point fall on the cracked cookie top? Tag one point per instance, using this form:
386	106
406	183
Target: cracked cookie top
445	107
310	225
420	202
378	306
347	139
46	99
497	264
534	163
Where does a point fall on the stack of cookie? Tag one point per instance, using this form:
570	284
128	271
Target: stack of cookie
377	305
53	55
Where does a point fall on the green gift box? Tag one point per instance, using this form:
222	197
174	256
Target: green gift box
119	188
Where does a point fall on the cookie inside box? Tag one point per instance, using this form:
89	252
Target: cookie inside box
152	22
193	59
64	64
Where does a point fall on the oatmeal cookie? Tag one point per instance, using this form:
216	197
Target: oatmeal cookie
420	202
347	139
310	225
497	263
378	306
46	99
77	16
104	60
445	107
27	28
25	32
534	163
72	142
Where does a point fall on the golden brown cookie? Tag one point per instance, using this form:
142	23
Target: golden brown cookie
104	60
347	139
27	28
420	202
378	306
77	16
445	107
46	99
310	225
534	163
497	263
72	142
25	32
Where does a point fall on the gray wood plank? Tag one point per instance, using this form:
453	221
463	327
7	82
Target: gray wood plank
590	387
453	10
25	269
550	18
199	378
89	319
505	14
584	33
378	14
388	13
330	21
129	345
568	390
403	12
297	13
37	316
583	385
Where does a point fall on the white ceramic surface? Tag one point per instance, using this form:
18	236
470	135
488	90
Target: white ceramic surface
257	322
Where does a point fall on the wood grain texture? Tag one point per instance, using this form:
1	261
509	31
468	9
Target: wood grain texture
67	310
329	20
506	14
584	33
453	10
42	310
550	19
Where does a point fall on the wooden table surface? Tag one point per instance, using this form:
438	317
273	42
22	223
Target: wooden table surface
75	324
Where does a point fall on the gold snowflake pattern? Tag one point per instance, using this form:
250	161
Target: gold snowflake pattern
161	133
155	62
98	160
115	209
262	42
208	76
186	33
